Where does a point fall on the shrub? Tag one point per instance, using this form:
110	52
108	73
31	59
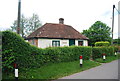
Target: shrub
15	49
98	51
101	43
66	54
15	46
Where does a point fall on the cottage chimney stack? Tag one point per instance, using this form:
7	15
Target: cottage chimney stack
61	21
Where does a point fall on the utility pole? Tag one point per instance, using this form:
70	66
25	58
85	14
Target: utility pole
112	23
19	14
118	20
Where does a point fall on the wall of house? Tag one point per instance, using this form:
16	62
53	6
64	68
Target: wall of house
43	43
85	43
33	42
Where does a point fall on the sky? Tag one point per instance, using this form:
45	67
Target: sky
80	14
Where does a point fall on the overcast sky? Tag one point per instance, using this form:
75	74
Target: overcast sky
80	14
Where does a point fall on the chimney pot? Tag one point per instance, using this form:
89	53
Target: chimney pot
61	21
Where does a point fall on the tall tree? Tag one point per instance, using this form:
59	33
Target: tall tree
23	23
99	31
27	25
33	23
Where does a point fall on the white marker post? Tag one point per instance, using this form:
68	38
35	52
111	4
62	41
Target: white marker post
104	57
115	54
81	61
16	71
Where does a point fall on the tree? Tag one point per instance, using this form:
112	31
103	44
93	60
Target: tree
27	25
116	41
99	31
33	23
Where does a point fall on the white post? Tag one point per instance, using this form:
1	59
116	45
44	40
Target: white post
81	61
115	54
104	57
16	71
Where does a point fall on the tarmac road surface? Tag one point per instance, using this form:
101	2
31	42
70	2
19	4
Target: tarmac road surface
104	71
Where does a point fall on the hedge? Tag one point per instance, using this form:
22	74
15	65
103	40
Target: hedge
15	49
98	51
28	56
15	46
102	43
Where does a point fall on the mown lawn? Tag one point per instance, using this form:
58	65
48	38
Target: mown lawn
53	70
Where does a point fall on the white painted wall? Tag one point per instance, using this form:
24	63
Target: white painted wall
64	42
76	42
85	43
43	43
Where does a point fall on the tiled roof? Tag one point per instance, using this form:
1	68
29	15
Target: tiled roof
50	30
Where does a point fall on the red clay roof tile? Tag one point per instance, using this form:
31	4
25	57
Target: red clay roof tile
50	30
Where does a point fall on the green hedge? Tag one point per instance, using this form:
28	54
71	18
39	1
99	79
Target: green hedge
98	51
102	43
28	56
66	54
15	49
15	46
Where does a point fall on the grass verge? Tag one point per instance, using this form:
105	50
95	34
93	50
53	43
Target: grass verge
108	59
53	70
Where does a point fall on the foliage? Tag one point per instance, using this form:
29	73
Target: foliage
102	43
66	54
27	25
15	49
116	41
8	60
28	56
14	46
99	31
98	51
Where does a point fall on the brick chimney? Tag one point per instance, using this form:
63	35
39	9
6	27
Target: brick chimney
61	21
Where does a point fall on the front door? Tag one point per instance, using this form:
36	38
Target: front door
71	42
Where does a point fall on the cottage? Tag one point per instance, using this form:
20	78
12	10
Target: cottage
54	35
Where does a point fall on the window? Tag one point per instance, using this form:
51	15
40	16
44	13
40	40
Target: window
80	43
55	43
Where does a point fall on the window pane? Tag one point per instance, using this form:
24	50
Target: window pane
56	43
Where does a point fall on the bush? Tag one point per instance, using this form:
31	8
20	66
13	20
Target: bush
98	51
15	49
102	43
66	54
15	46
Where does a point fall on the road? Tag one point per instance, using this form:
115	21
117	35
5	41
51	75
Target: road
104	71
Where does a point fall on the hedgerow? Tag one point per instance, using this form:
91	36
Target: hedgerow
16	50
28	56
98	51
102	43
